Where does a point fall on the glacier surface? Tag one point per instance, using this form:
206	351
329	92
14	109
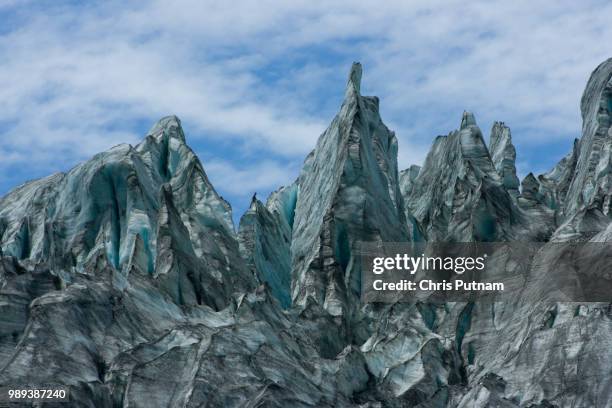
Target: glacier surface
126	279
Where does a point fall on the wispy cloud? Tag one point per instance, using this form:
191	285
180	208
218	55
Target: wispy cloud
256	82
244	181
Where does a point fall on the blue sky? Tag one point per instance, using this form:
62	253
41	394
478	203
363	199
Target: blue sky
256	82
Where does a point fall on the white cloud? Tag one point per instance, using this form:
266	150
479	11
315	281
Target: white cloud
262	176
266	75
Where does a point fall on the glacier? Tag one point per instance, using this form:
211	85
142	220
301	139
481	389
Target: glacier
126	279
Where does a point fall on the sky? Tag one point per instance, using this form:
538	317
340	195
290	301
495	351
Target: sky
256	82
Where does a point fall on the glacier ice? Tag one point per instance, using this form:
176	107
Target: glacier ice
503	155
125	279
